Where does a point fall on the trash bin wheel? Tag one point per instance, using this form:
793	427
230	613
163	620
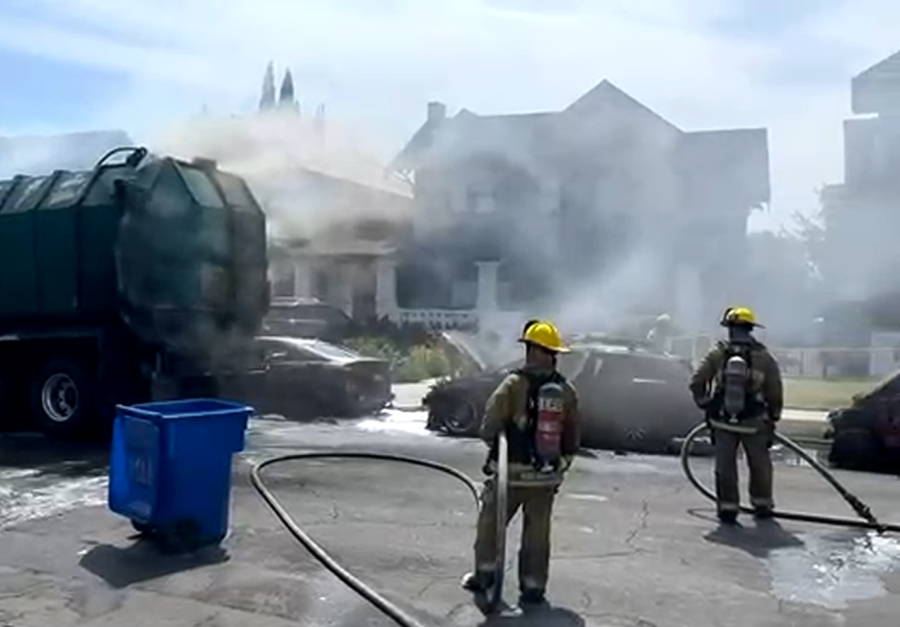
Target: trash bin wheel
183	536
142	528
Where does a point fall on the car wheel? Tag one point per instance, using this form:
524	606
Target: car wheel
462	418
61	399
853	449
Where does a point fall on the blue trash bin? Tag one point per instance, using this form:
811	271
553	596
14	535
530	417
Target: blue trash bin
170	468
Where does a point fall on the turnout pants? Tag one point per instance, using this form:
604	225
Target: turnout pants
534	553
759	463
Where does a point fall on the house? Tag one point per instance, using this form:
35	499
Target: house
574	200
334	210
860	214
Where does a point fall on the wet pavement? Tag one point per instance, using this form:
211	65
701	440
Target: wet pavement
634	545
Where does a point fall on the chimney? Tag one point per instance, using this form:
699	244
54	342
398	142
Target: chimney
437	112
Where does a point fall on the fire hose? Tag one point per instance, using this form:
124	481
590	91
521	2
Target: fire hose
379	601
867	520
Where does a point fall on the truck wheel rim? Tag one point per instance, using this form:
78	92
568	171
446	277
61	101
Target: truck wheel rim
59	397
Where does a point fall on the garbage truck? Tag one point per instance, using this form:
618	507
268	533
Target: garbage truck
143	279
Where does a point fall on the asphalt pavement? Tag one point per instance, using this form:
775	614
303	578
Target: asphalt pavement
634	545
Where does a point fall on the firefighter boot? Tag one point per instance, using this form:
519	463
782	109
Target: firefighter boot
727	517
479	581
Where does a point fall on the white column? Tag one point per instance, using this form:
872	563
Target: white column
487	285
303	287
385	287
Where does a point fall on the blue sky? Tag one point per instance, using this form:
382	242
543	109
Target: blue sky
145	64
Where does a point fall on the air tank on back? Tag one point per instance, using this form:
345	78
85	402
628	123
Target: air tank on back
175	250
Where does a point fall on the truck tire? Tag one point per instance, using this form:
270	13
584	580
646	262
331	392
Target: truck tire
5	405
61	398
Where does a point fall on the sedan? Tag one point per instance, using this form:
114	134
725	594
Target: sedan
631	398
311	378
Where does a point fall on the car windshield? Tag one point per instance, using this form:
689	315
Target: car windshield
330	351
568	364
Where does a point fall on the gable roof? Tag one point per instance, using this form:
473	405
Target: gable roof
607	91
876	89
525	126
888	67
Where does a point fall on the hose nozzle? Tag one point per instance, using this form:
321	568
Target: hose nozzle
865	512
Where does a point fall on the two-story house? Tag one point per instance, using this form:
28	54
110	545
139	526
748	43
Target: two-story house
568	200
861	214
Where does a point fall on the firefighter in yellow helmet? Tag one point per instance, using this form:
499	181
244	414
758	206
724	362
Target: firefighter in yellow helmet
537	409
738	385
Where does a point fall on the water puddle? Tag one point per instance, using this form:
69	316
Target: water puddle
833	570
22	505
587	497
396	420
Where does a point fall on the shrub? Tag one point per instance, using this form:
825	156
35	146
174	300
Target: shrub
421	361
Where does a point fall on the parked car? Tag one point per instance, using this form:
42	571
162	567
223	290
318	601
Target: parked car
631	398
866	435
307	317
307	378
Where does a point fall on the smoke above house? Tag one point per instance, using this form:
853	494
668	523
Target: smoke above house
304	168
603	213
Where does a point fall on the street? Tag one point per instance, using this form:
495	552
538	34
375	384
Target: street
634	545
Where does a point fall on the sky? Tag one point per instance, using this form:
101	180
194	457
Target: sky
143	65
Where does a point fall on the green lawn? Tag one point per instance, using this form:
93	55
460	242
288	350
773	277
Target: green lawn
810	393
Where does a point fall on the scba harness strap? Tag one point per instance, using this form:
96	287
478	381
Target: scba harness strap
751	404
522	441
535	382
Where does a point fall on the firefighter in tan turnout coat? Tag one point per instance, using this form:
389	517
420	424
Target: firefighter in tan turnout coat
738	384
537	409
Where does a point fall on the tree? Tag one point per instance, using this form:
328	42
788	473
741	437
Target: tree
810	230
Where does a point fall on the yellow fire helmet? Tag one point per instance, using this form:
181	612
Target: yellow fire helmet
740	315
545	335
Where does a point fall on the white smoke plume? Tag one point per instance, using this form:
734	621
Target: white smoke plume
701	64
279	153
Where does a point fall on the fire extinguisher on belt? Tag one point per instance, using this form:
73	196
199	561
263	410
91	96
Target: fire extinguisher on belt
549	426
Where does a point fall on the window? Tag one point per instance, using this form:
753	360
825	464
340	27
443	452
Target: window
571	364
480	199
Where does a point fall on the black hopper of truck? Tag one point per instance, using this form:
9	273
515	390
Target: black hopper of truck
145	278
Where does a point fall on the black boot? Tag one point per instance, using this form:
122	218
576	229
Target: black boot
728	517
532	596
478	581
763	513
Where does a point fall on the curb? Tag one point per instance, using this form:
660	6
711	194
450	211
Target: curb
802	429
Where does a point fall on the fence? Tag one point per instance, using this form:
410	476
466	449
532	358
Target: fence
821	363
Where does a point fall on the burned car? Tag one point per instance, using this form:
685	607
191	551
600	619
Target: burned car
866	435
306	317
631	398
306	378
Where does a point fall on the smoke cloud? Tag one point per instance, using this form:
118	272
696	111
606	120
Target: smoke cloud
306	171
698	63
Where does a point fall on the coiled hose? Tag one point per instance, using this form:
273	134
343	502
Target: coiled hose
384	605
868	519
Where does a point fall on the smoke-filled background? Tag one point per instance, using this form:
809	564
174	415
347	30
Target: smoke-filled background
184	77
